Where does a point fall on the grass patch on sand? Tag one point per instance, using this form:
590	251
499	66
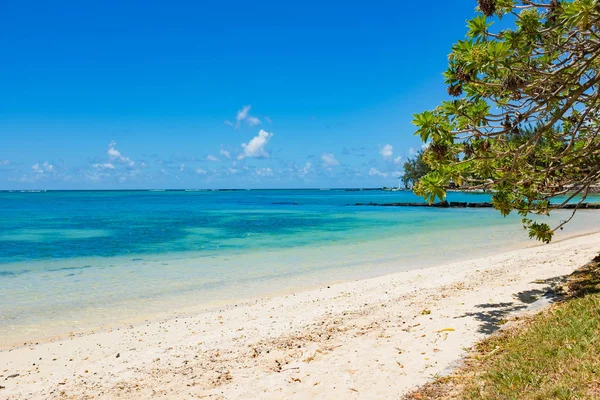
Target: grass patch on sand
552	355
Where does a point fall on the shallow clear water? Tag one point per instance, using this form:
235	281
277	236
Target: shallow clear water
72	261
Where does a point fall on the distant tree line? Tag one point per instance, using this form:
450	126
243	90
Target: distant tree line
414	169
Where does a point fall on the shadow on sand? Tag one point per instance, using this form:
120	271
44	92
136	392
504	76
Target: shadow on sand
493	315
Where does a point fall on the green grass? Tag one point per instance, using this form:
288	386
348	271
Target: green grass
557	356
554	355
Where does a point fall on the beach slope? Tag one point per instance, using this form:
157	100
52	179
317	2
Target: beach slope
374	338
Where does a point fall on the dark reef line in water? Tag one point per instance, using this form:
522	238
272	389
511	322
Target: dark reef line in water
462	204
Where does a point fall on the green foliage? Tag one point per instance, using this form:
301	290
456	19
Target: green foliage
525	121
414	169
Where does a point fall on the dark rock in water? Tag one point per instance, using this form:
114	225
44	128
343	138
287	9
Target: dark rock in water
480	205
589	206
461	204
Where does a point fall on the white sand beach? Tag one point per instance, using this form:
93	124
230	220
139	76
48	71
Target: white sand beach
369	339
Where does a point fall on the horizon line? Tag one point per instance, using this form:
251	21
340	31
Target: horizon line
193	189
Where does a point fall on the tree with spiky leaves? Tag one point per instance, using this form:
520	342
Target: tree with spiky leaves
525	123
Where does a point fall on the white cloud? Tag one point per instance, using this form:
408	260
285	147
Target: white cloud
264	172
225	153
232	170
93	176
41	170
243	115
269	120
4	162
116	156
37	169
398	160
412	151
387	151
200	171
48	167
424	146
181	167
103	166
256	146
376	172
118	167
329	160
307	168
253	121
210	157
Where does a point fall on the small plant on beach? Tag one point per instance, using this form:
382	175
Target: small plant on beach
525	118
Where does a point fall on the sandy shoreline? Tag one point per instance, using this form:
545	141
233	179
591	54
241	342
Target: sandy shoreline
373	338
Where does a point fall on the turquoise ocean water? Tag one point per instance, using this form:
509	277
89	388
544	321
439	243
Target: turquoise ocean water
75	261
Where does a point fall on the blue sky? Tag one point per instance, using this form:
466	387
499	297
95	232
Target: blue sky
227	94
